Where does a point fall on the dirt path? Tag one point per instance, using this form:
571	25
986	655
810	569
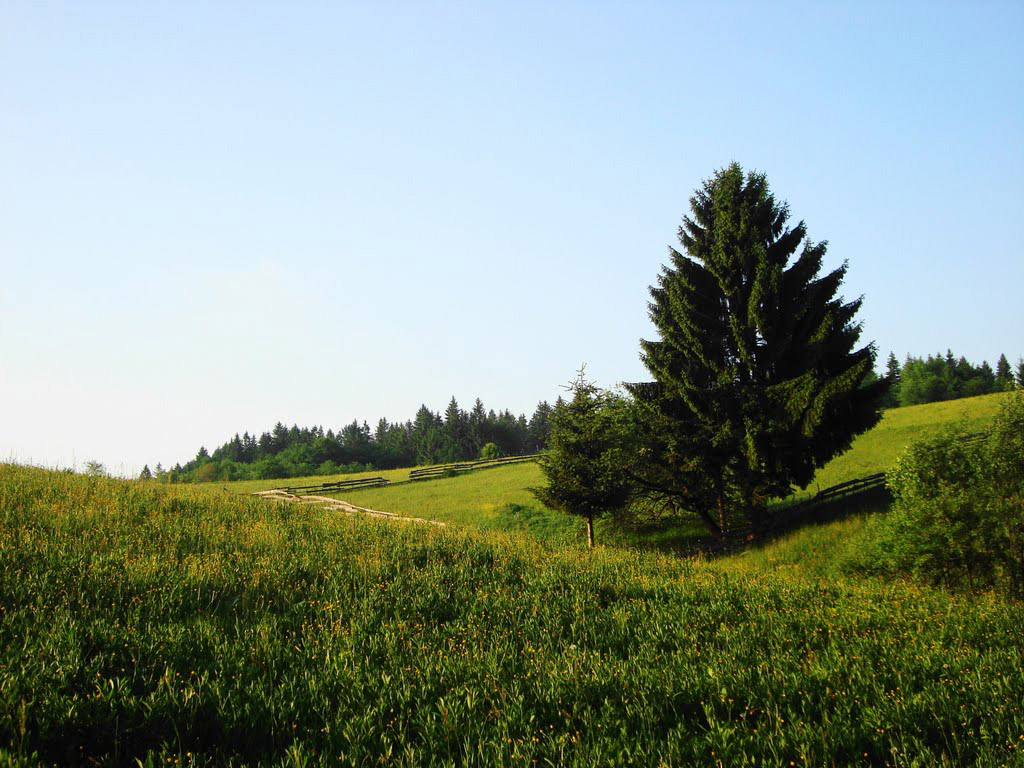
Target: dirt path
338	505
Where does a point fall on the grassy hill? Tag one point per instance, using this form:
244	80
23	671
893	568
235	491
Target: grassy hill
878	449
873	451
189	626
489	499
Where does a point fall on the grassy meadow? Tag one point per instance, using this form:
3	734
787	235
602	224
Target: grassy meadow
500	499
143	624
878	449
479	496
147	625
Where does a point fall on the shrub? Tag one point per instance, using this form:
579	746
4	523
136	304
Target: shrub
206	473
270	468
958	516
490	451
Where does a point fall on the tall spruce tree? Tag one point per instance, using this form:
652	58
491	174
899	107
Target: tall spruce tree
757	374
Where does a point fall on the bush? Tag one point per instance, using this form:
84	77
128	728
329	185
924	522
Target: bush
958	516
270	468
490	451
206	473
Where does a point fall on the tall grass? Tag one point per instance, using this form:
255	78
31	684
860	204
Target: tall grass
189	627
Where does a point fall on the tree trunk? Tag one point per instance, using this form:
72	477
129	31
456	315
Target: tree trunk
590	531
708	520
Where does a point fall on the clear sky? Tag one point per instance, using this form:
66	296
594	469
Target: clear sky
216	216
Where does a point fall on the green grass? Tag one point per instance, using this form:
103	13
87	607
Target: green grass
188	626
474	498
251	486
482	499
499	499
878	449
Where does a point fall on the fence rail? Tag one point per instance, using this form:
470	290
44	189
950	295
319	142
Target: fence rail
446	470
869	486
341	485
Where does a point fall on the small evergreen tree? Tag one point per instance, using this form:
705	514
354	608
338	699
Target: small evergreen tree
584	466
145	474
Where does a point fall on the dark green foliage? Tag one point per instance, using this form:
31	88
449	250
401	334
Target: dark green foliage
946	377
958	516
430	439
1003	370
145	474
757	376
539	428
892	378
584	466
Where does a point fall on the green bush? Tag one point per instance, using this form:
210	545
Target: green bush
490	451
958	516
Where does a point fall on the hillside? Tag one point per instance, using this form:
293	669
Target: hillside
878	449
189	626
483	499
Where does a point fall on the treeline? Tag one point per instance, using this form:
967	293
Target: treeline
430	438
946	377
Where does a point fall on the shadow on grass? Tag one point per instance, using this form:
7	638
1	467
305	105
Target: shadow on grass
690	539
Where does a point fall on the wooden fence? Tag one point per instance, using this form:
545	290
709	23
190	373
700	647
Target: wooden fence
341	485
447	470
868	490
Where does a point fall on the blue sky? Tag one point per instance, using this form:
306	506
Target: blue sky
217	216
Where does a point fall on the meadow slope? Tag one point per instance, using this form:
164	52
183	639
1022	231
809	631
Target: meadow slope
500	498
193	627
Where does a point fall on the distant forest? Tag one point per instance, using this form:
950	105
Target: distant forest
946	377
430	438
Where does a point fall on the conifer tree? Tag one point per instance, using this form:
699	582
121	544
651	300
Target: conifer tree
584	465
456	425
1004	374
757	374
892	378
540	427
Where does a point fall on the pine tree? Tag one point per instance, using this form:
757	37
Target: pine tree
584	469
892	369
892	379
145	474
1004	374
987	375
539	427
478	433
757	378
456	426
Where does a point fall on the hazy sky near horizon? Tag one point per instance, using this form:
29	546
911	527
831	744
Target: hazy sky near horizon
214	217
